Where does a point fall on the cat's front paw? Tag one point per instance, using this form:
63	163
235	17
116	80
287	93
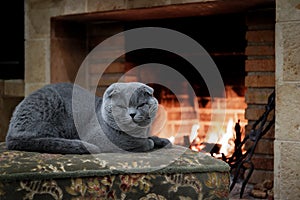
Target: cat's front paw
151	144
91	148
160	142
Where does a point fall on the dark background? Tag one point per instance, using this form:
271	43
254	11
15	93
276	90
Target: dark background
12	40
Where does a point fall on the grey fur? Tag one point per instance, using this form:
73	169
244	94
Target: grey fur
44	121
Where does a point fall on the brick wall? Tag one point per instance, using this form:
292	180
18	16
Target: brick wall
260	82
74	42
96	33
68	50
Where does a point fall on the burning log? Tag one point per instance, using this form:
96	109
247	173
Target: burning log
238	139
219	144
206	147
186	141
211	148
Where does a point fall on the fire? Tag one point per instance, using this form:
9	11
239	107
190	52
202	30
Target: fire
227	140
194	132
172	139
191	123
218	144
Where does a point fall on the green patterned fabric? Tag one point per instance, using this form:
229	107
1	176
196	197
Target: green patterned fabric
191	175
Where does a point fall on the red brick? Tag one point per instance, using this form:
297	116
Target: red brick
117	42
241	116
205	117
183	128
100	91
253	113
106	79
259	176
130	78
269	135
97	56
116	67
260	50
265	146
260	65
261	36
174	116
260	80
188	115
258	95
236	103
264	162
66	57
97	33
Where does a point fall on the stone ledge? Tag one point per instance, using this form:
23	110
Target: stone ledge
14	88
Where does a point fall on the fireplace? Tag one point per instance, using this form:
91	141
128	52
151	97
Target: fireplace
240	44
227	51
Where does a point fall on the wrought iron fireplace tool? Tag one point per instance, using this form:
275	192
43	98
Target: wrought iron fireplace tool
239	162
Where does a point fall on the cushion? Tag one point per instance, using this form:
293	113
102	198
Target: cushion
174	173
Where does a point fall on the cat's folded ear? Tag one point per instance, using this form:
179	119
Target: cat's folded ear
148	90
111	91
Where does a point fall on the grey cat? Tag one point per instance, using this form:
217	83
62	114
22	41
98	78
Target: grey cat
50	120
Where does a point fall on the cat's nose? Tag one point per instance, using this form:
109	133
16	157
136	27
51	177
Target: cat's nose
132	115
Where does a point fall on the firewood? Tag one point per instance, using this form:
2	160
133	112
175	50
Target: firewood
258	194
268	184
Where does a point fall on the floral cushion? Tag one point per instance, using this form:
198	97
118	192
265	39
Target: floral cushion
175	173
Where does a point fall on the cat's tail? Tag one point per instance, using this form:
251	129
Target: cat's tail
51	145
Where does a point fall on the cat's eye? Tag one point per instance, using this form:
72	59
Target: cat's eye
148	94
141	105
122	106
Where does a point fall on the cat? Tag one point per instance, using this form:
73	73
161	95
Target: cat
50	120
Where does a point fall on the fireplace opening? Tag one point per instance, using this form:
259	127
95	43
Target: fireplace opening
223	37
241	45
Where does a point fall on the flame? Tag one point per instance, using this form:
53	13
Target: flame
172	139
183	122
227	147
194	132
224	139
212	137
